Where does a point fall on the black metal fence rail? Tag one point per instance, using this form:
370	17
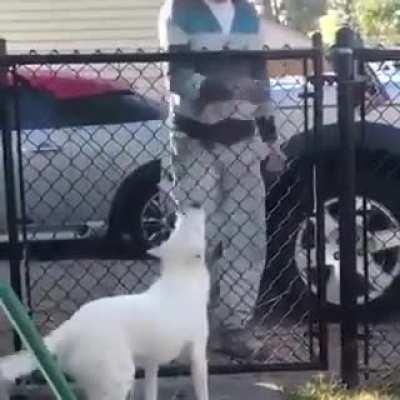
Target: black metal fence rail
376	54
150	57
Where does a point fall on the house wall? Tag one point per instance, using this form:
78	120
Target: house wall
87	25
78	24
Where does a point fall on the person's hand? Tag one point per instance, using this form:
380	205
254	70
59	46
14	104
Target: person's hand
213	89
249	89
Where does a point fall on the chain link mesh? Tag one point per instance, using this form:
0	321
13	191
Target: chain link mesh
377	221
74	177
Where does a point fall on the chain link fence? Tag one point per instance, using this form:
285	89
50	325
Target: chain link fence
88	170
377	211
90	144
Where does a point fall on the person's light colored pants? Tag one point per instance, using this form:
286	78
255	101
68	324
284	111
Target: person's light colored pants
227	181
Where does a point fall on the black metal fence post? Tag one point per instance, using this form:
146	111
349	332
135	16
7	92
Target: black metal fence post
347	217
3	51
6	115
319	195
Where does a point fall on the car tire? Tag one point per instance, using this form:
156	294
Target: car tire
289	228
132	200
151	217
143	215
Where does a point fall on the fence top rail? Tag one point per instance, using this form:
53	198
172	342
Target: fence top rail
141	56
376	54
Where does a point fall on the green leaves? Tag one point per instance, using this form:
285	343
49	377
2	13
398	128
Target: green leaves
380	20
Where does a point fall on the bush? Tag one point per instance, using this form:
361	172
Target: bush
324	389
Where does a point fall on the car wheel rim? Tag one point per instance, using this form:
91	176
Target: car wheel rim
158	218
382	232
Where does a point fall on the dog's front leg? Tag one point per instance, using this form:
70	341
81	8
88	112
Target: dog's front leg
199	370
150	381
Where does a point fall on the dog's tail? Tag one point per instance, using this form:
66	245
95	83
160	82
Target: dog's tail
24	362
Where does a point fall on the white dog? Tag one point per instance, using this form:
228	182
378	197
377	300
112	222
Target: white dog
103	342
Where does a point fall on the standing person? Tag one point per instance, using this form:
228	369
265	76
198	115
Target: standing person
217	105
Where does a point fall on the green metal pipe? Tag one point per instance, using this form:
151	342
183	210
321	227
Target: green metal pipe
34	342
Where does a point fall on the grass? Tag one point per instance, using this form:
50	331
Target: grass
324	389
